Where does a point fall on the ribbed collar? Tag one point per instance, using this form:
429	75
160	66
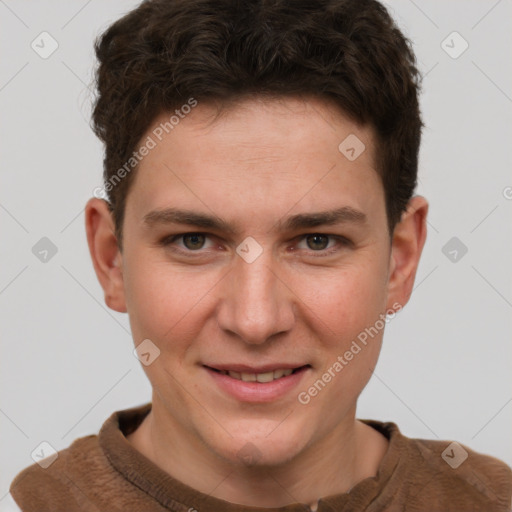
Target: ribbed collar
176	496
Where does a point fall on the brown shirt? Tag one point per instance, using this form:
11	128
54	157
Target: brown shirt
105	473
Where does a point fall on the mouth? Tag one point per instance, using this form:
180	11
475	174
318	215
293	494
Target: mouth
257	384
260	376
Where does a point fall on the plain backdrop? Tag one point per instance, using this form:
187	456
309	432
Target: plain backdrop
66	359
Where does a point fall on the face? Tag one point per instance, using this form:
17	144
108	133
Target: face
255	254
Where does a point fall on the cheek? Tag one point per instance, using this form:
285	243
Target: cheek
348	324
344	301
162	301
345	311
166	306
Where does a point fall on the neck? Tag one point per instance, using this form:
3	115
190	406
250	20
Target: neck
330	465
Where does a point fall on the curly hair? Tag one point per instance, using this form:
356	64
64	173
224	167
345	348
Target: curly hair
164	52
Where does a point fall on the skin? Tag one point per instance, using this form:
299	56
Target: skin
258	163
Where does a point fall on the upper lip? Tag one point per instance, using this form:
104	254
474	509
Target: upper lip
244	368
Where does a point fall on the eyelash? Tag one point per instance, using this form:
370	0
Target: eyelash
168	242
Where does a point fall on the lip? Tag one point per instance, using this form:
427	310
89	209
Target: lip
256	392
242	368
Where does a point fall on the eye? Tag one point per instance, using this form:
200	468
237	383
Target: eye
190	242
317	244
193	241
322	243
317	241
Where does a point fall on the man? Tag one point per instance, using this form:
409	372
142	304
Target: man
261	229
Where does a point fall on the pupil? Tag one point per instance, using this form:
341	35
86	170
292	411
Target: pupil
193	241
319	241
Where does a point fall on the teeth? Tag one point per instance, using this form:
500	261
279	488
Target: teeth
265	377
278	374
259	377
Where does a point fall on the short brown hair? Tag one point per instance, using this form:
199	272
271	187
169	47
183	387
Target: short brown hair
158	56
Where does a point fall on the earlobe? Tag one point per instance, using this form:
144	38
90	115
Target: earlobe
105	254
407	244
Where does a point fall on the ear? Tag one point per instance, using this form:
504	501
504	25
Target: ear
105	253
406	246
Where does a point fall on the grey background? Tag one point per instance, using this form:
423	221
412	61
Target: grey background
66	359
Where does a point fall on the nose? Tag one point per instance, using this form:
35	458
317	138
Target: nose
256	304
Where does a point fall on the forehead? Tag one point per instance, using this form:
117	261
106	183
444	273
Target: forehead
262	154
259	127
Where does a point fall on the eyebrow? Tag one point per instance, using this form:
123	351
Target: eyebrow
345	214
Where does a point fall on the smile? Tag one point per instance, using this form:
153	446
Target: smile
259	377
248	384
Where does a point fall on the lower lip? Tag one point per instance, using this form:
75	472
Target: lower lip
257	391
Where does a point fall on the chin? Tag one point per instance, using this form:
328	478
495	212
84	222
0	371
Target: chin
272	449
